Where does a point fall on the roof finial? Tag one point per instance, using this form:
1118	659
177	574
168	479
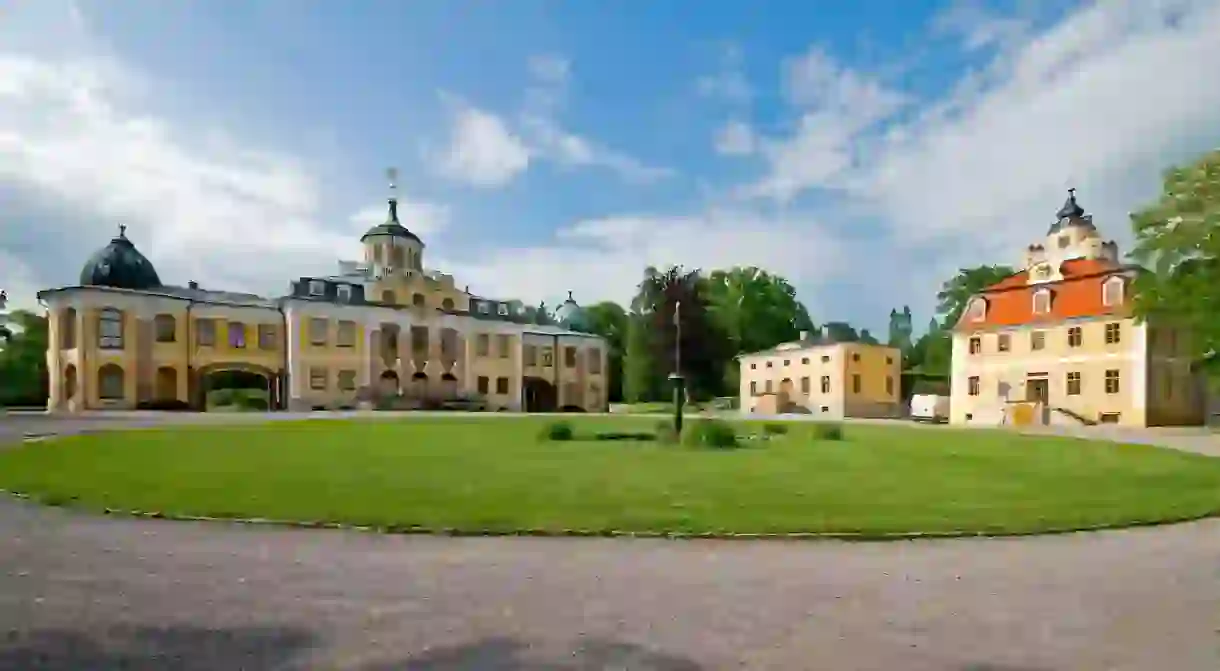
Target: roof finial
392	175
122	230
570	297
1071	209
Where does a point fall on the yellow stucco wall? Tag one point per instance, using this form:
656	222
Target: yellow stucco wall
789	372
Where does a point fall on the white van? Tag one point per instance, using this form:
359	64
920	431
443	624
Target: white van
929	408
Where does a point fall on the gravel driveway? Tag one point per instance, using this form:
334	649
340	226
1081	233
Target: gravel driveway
81	592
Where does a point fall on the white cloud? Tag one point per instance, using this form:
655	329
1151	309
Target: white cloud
482	150
728	83
553	142
735	138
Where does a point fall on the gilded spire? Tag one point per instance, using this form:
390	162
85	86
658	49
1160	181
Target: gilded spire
392	175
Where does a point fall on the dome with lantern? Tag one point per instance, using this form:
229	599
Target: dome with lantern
120	265
571	316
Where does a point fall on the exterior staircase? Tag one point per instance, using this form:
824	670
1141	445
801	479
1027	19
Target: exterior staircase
1064	416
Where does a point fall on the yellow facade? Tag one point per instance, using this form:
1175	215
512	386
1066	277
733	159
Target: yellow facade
383	332
831	380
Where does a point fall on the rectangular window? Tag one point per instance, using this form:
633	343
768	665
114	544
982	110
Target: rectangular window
805	385
855	383
1113	333
482	345
502	345
166	327
1075	336
530	354
889	385
419	339
767	386
972	385
825	384
786	362
483	384
67	329
347	380
595	361
1112	381
501	385
317	378
266	336
769	363
825	358
976	344
855	357
1073	383
753	366
344	293
753	388
804	360
237	335
548	357
317	331
110	329
205	332
317	288
1003	342
346	337
1037	340
569	357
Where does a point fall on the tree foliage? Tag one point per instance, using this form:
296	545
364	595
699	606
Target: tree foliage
756	309
953	295
609	320
1178	244
23	361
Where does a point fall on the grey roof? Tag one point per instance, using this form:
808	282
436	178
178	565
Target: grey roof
392	227
119	265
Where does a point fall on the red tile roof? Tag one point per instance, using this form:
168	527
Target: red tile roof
1010	302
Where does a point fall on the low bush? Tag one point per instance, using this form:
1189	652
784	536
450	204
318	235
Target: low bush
558	430
710	433
665	432
828	431
775	429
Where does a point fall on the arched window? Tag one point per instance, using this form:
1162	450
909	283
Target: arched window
1042	302
67	329
396	256
447	304
1112	292
419	301
978	310
110	329
387	296
110	382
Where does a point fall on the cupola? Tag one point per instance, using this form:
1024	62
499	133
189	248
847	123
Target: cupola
120	265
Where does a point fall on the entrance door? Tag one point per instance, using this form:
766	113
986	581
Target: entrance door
1037	390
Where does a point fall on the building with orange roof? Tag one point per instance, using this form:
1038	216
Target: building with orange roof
1057	342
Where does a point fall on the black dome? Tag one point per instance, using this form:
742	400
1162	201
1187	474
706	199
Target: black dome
1070	214
120	265
392	227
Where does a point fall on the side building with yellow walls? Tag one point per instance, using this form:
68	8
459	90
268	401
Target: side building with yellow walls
1057	343
383	330
816	375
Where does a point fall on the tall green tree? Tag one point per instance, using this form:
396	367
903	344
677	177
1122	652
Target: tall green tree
23	361
955	292
756	309
1178	244
609	320
704	346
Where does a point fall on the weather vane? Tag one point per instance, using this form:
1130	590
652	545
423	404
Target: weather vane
392	175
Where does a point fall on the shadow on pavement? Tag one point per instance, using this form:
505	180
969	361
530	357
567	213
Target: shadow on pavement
506	654
153	648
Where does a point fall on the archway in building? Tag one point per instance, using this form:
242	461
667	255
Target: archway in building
68	392
419	385
387	384
783	400
449	385
236	386
165	385
538	395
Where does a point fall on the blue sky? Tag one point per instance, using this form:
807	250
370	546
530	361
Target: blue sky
864	150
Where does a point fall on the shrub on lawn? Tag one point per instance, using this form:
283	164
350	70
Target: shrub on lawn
558	430
624	435
710	433
775	429
828	431
665	432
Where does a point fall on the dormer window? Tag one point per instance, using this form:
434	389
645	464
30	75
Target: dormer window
1042	302
502	310
1112	292
977	311
484	308
344	293
317	287
1064	241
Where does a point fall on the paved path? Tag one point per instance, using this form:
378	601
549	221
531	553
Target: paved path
86	592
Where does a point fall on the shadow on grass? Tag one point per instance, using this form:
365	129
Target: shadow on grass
507	654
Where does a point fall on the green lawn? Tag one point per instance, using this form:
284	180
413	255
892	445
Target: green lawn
492	474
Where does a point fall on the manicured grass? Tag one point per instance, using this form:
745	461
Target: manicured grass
493	474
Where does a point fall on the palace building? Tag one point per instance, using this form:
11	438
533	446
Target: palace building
1057	342
383	330
816	375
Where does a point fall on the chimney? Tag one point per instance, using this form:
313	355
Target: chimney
192	285
804	335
